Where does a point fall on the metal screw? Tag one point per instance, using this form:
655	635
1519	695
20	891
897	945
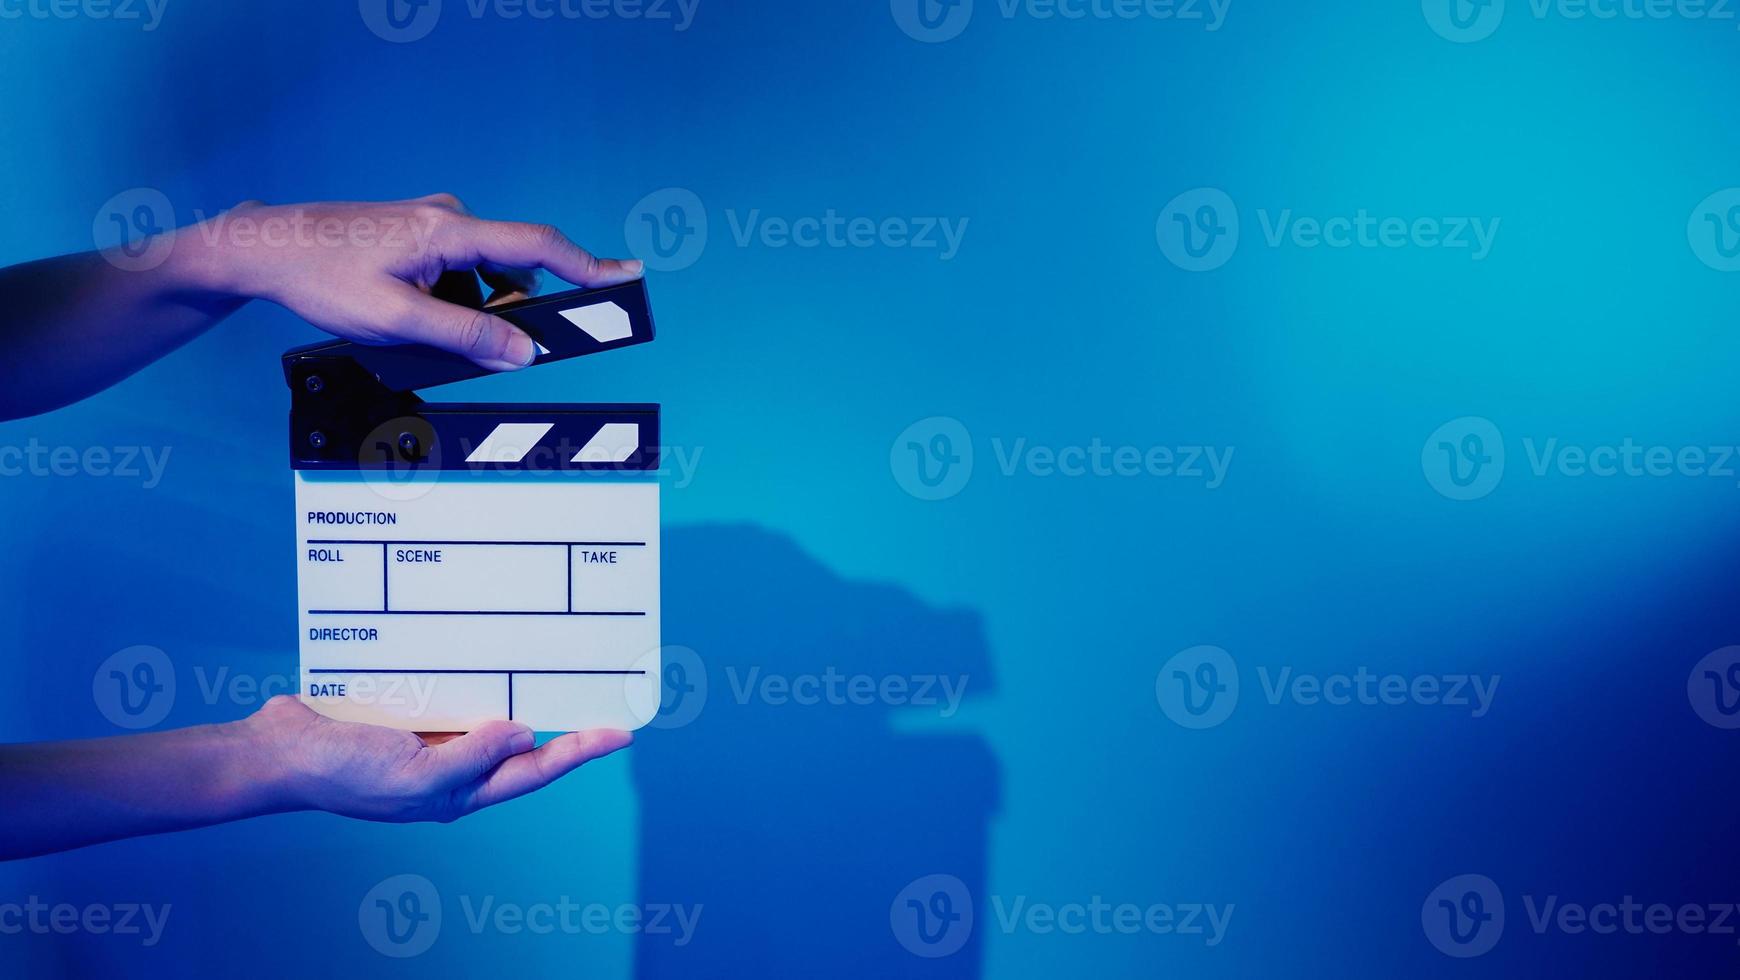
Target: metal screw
317	439
314	383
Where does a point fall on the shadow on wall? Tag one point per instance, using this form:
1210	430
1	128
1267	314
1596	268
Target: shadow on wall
808	831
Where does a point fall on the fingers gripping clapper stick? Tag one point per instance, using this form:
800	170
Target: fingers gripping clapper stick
458	563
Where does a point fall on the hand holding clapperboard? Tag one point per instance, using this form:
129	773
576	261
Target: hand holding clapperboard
458	563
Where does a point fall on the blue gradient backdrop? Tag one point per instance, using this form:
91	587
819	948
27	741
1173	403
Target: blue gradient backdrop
792	371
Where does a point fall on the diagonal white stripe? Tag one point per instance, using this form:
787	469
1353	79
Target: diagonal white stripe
603	322
510	442
614	443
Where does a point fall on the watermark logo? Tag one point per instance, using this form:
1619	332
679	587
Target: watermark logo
833	687
1102	918
403	21
400	459
1198	688
1463	459
256	226
135	229
1714	230
1713	687
401	916
932	459
148	14
400	21
1464	21
564	916
41	918
683	683
831	229
146	464
932	21
1198	230
134	688
1365	230
682	687
933	916
1464	916
667	229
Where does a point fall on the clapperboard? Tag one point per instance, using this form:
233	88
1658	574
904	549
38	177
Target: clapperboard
458	563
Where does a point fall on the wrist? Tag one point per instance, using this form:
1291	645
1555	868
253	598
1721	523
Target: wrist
260	770
202	263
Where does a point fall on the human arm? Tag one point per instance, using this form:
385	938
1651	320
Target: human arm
57	796
77	324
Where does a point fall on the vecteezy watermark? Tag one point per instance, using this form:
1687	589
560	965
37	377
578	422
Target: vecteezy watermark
684	687
400	459
1102	918
136	688
147	14
1464	459
131	919
668	228
1713	687
1467	21
934	916
1463	21
401	917
411	692
1198	231
35	458
403	21
832	687
1199	688
135	229
1464	916
1714	230
295	227
830	229
1629	916
935	21
932	459
566	917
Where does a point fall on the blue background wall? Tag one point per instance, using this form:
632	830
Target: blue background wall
796	547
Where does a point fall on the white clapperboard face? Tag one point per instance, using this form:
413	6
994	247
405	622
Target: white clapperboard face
480	561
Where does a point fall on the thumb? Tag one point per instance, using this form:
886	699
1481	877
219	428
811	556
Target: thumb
476	753
485	339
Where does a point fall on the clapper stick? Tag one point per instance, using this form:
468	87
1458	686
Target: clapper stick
459	562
